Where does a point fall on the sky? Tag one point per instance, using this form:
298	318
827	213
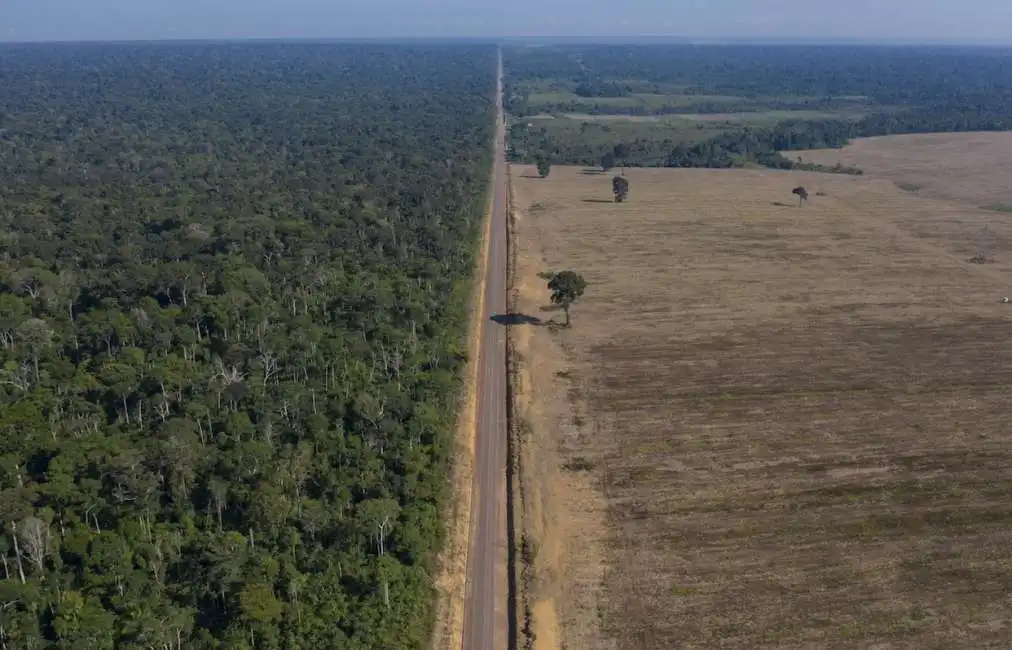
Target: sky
965	21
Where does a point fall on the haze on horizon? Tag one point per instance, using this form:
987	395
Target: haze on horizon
963	21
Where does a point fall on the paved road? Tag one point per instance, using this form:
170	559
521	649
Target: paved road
484	606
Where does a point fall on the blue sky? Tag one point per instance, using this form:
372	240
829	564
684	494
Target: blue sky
918	20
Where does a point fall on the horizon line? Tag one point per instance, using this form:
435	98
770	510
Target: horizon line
647	39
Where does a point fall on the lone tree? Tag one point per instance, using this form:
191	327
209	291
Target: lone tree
620	188
544	167
607	162
566	288
802	194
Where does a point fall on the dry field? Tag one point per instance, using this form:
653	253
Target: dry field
796	420
968	167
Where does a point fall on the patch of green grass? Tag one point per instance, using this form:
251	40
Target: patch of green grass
676	120
554	98
655	101
998	207
768	117
907	187
549	94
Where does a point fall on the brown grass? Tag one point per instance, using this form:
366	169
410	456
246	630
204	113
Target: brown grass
796	419
968	167
559	508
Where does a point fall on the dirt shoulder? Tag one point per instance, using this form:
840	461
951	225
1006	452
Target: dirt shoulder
561	520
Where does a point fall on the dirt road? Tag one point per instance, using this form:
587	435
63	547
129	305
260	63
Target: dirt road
485	607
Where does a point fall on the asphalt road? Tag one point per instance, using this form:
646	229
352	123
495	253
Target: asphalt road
484	606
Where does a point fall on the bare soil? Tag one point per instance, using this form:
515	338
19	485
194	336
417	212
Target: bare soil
769	426
564	512
966	167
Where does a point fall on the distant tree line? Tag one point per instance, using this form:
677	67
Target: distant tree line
903	90
882	75
762	146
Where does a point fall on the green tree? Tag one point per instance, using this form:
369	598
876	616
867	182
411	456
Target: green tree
378	519
607	162
620	188
260	608
36	335
82	622
566	288
544	167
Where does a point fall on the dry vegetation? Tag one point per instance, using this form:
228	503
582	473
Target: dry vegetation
796	419
967	167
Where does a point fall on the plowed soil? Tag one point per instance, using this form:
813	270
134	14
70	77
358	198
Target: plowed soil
966	167
771	426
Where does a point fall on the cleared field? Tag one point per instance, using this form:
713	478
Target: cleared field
548	98
967	167
552	96
783	427
745	117
583	117
649	100
657	100
769	117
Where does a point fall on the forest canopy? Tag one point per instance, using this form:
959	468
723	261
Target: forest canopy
233	281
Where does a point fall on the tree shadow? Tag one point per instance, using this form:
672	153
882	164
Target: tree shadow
590	171
516	319
531	176
782	205
551	308
596	201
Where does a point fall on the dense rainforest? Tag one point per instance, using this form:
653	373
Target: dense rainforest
876	90
233	281
906	75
